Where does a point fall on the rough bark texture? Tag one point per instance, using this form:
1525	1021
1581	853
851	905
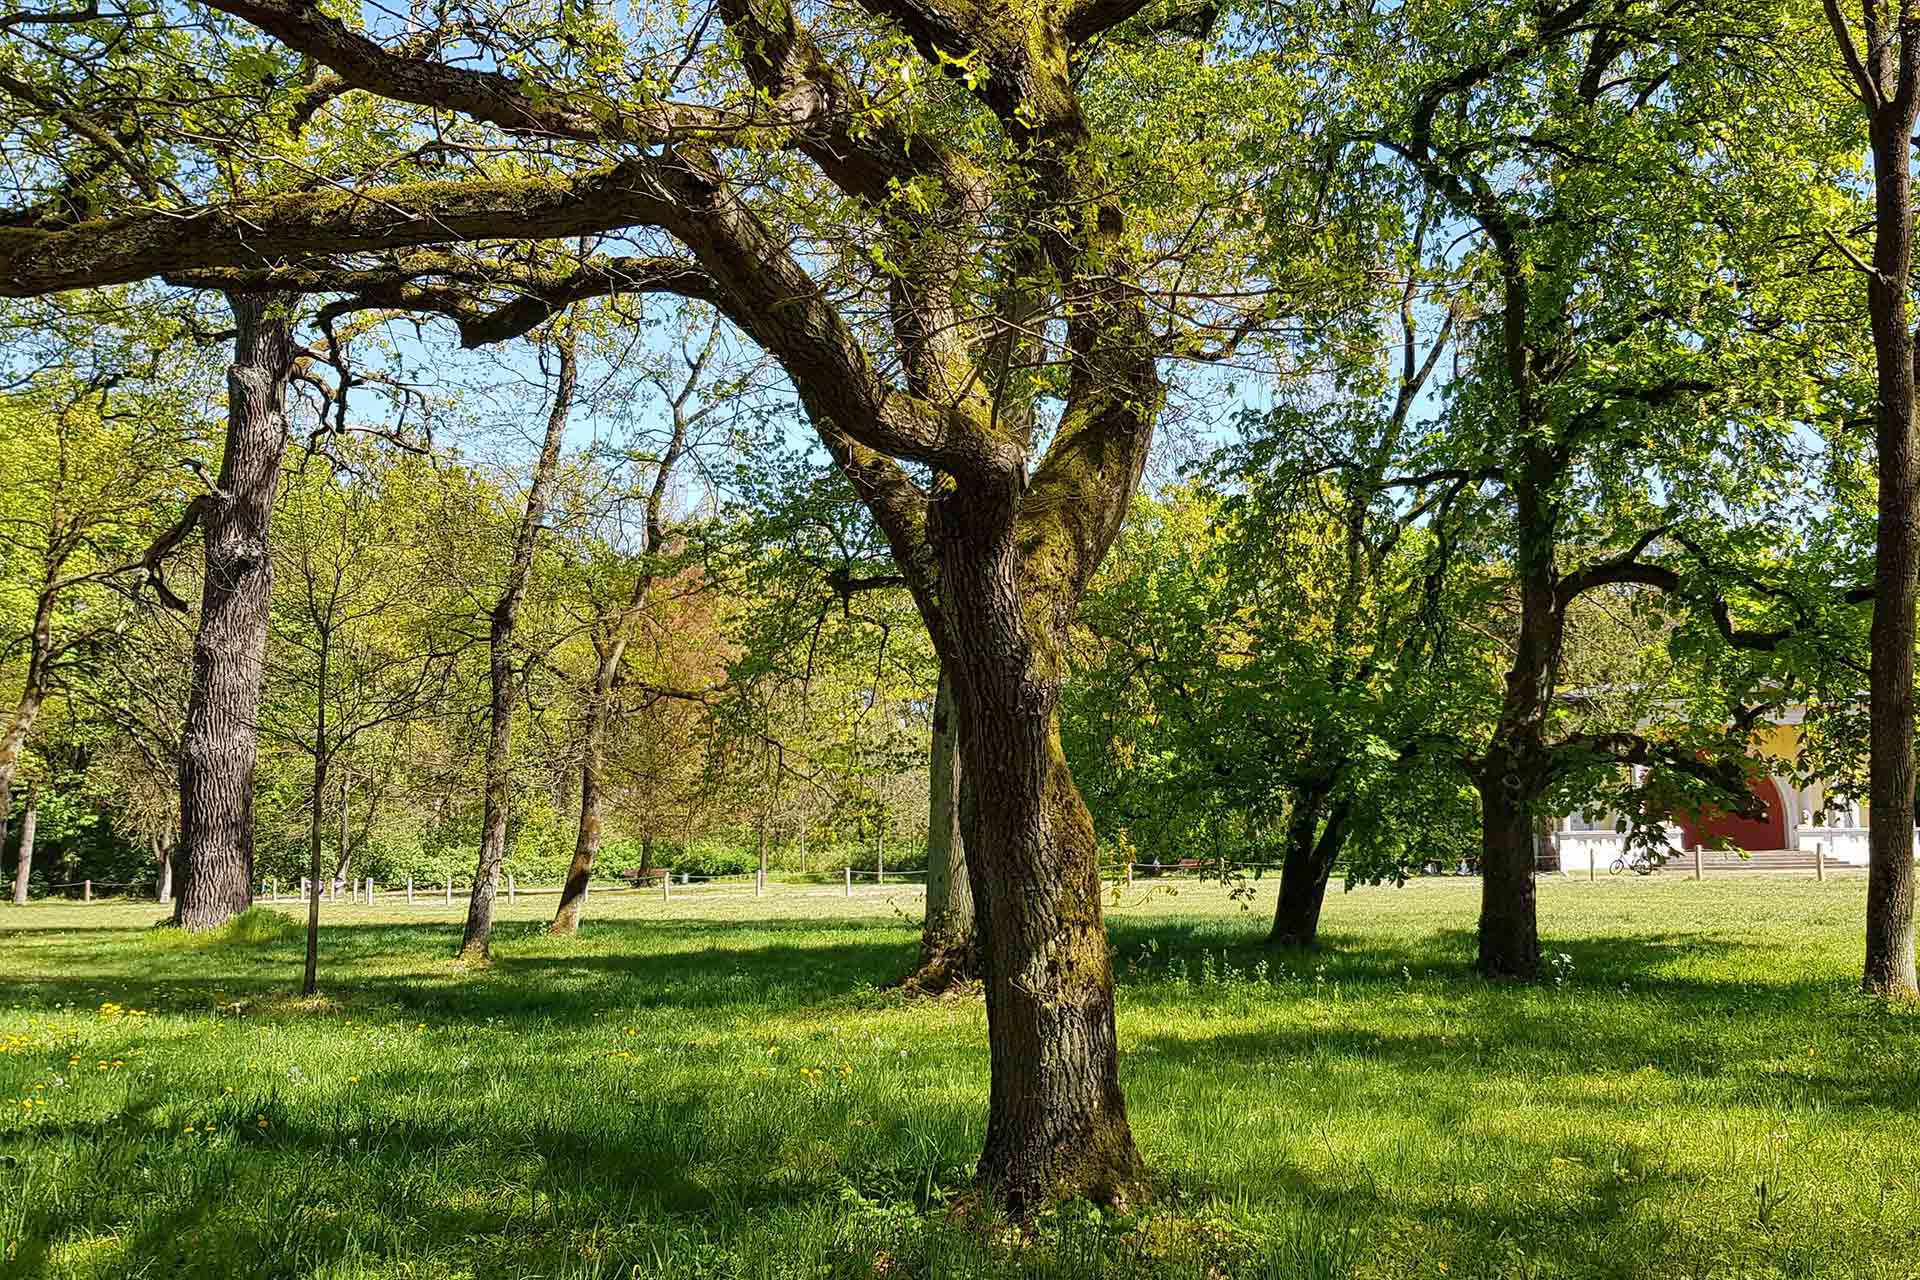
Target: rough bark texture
1308	867
219	745
1513	775
478	935
949	944
29	825
1889	968
1057	1122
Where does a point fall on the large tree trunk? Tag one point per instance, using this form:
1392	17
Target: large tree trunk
1307	868
219	745
1889	966
1509	914
1056	1121
29	825
949	947
478	935
1513	775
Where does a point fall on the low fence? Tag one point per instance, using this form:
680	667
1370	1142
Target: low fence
666	887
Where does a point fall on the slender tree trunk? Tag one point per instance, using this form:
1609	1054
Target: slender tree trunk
586	842
29	823
219	744
949	946
163	864
344	863
13	738
309	980
1889	966
478	935
1307	869
310	977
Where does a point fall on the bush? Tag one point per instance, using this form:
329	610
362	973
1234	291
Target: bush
713	858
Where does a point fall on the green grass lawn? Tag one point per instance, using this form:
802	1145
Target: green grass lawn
721	1087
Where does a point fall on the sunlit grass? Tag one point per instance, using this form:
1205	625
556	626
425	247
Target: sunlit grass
720	1087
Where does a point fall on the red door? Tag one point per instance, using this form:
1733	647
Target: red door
1767	833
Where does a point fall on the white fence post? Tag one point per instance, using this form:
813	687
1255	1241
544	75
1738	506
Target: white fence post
510	887
449	890
86	891
1819	860
409	888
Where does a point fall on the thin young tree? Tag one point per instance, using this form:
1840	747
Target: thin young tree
612	625
354	632
477	937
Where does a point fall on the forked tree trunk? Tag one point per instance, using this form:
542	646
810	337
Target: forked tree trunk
1307	869
29	825
1889	968
220	741
949	946
478	936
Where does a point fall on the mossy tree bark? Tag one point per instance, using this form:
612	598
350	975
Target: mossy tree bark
220	744
477	937
949	945
1514	774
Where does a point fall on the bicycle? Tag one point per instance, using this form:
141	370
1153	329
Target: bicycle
1640	864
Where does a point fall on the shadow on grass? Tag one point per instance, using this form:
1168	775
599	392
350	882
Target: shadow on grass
514	1179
